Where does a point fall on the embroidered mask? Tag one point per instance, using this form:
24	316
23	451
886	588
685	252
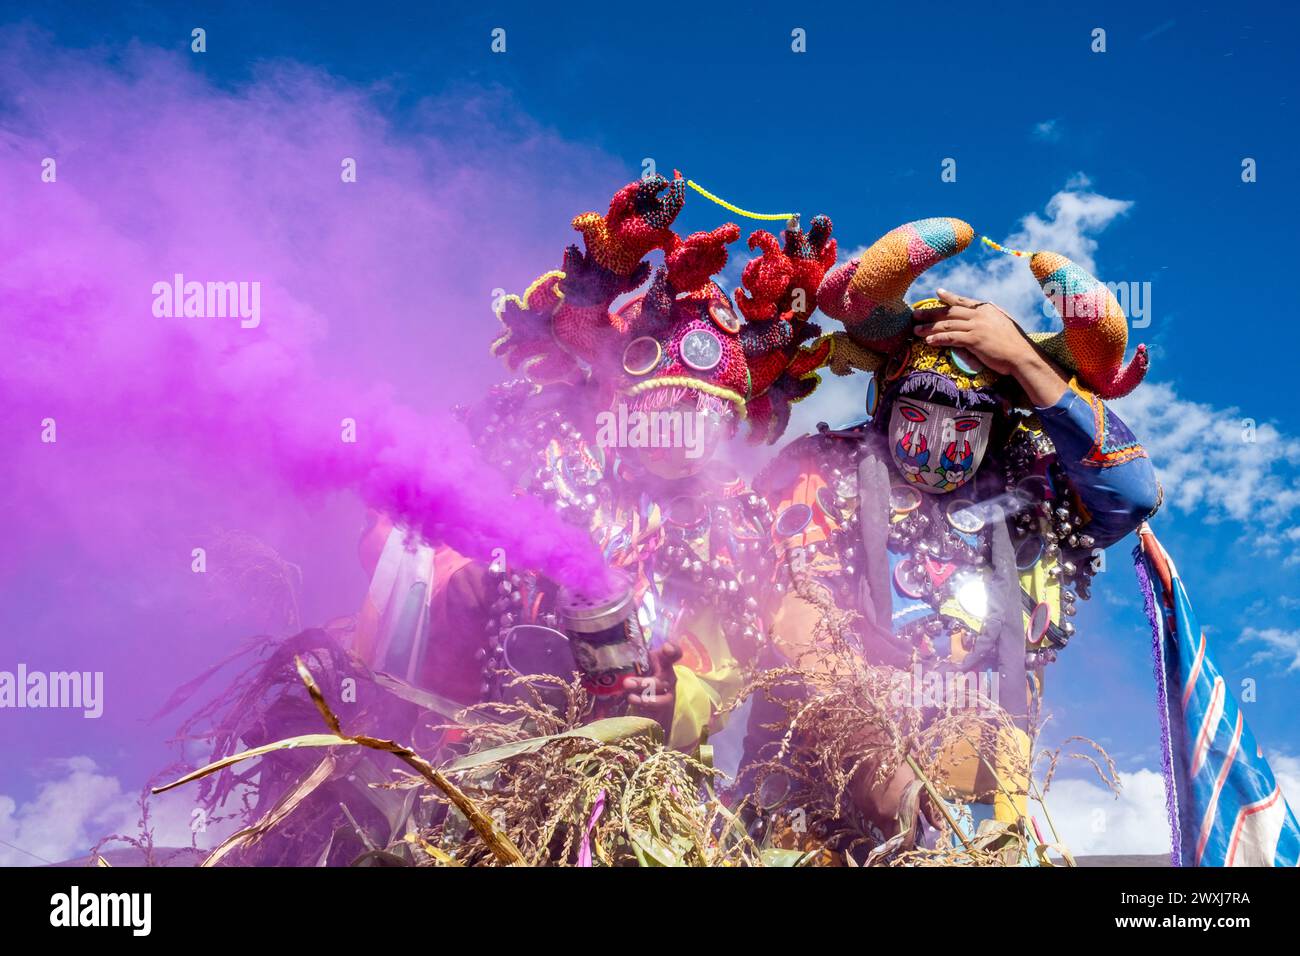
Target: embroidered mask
936	447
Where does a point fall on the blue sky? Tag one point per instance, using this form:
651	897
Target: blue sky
1130	159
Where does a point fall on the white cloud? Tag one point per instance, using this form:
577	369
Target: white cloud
1072	218
1286	768
1090	820
76	805
1048	131
70	812
1167	25
1279	645
1213	462
839	400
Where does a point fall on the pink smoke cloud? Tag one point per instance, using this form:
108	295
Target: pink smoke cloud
375	306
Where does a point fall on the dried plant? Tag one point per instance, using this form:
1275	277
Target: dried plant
535	781
570	793
849	727
251	583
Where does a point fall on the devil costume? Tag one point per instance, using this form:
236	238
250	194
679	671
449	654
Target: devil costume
960	524
692	551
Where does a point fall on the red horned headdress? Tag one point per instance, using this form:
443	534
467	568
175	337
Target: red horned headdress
678	337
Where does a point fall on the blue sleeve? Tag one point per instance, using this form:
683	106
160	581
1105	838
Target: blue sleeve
1107	466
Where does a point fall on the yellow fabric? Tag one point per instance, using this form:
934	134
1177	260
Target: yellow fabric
1041	586
1011	807
708	676
962	773
693	710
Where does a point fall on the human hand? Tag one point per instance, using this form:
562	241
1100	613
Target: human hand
981	328
994	339
655	695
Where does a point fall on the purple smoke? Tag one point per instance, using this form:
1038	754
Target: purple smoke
375	306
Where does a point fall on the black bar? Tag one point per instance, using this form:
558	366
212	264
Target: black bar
433	906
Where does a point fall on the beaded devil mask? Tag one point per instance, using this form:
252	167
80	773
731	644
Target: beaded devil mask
937	447
676	342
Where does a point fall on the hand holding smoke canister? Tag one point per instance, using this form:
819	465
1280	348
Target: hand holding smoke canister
608	642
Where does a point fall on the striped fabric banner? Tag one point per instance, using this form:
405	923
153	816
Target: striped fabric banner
1225	805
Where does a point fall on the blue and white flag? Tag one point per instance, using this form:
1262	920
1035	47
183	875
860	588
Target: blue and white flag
1225	805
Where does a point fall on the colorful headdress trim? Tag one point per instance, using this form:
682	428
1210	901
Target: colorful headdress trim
692	384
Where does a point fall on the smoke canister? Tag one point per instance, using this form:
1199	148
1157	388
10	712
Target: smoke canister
605	634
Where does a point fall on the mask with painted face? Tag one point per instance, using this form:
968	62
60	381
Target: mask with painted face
937	448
